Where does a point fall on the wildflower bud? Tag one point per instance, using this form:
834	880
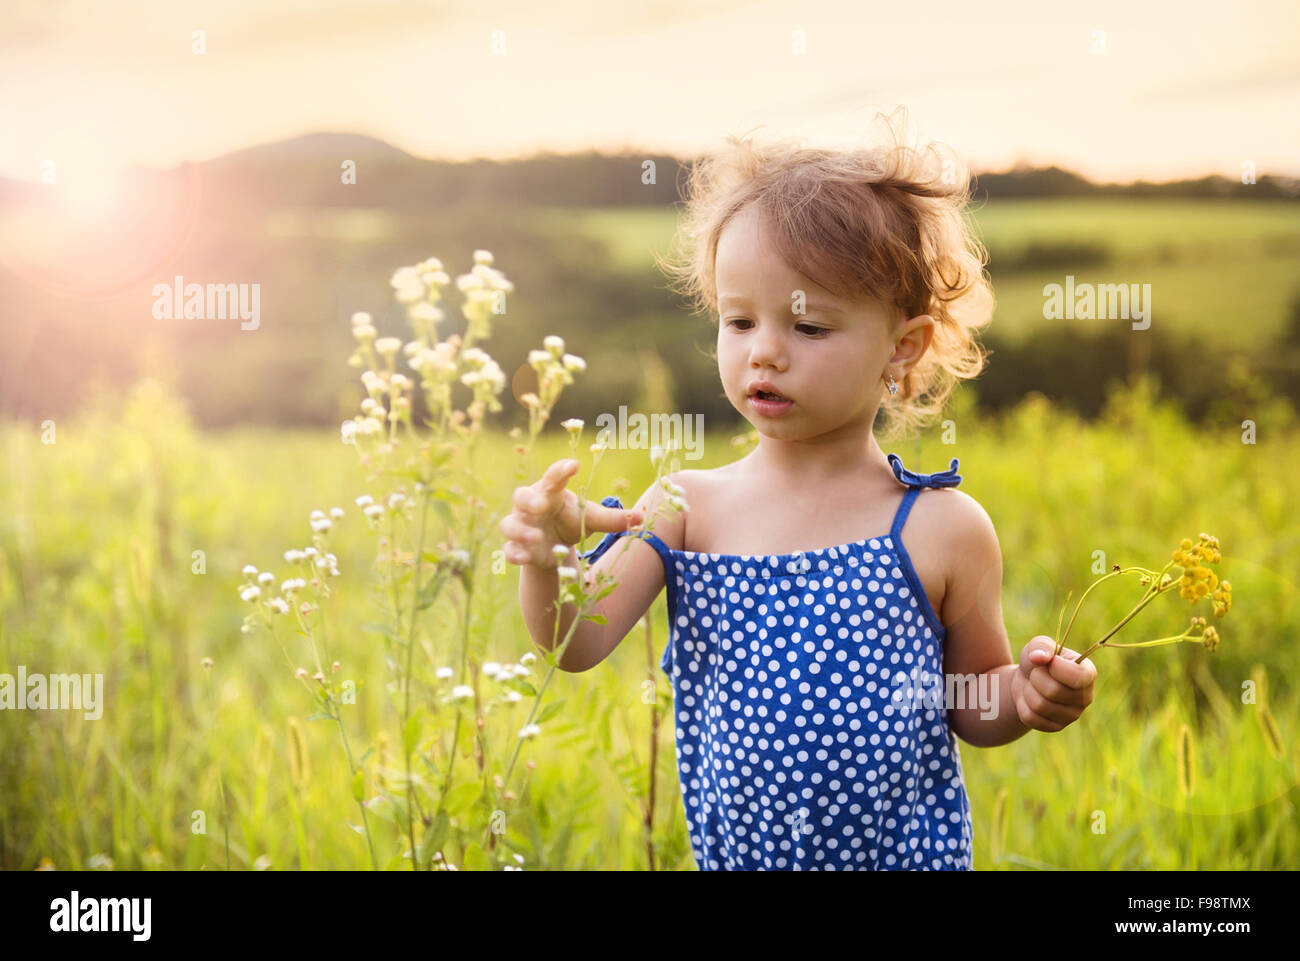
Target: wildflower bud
206	664
480	723
301	673
497	782
335	667
304	609
509	795
530	764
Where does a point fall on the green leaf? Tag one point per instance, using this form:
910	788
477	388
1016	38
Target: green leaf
444	511
475	859
434	838
359	784
528	688
549	711
598	618
411	733
461	797
365	757
320	716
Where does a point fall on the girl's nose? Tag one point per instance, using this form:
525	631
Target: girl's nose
766	348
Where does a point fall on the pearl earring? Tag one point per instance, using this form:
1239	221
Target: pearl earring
892	385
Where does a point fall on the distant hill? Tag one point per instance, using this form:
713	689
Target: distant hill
306	171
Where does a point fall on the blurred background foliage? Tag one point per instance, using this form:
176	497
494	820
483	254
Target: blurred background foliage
577	235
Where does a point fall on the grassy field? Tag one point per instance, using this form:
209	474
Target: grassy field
98	534
1213	265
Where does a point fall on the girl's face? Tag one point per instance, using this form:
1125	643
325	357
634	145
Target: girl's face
828	361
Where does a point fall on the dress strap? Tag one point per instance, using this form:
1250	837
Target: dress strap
915	483
608	540
943	478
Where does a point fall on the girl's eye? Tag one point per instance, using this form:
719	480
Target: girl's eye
810	329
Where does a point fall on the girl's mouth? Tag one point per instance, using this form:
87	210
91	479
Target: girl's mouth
770	405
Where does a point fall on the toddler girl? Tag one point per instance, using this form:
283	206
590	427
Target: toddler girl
824	653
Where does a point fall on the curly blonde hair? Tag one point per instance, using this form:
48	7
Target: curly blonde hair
883	222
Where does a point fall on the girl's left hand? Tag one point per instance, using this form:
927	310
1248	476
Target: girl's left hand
1051	692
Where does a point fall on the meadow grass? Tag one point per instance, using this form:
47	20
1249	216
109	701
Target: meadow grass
97	574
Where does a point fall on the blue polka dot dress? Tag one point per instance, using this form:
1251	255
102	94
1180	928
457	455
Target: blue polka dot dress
794	751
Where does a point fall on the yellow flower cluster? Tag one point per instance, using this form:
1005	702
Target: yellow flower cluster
1198	580
1209	636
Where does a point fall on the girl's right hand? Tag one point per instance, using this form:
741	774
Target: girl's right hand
546	514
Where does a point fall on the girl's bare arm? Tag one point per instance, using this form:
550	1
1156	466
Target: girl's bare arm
640	575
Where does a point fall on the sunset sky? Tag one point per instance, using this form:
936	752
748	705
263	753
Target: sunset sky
1181	89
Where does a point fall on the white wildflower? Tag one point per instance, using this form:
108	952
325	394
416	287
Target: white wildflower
388	345
349	431
250	594
554	343
529	730
528	658
336	512
445	673
266	577
574	363
491	668
461	691
250	570
365	500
